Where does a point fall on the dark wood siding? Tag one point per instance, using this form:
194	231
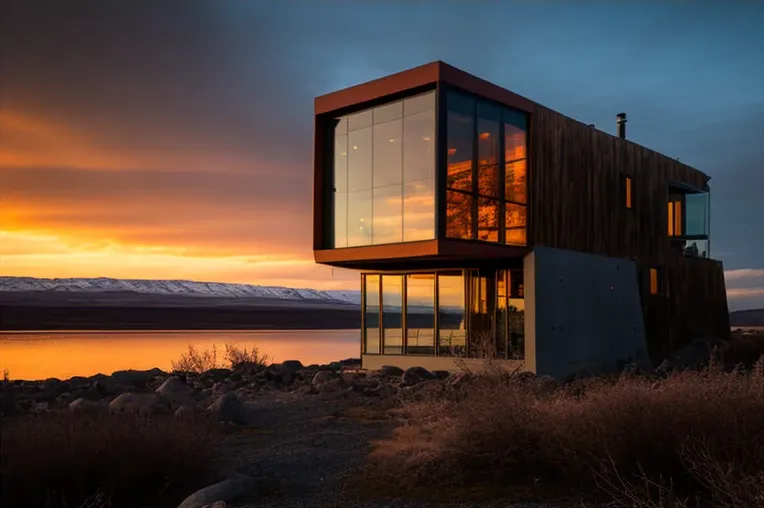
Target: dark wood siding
577	203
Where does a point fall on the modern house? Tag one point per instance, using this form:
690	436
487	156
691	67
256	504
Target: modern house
485	223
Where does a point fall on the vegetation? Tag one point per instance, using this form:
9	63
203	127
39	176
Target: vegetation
202	361
692	439
70	460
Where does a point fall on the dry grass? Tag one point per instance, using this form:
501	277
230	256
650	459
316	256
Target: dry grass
60	460
202	361
693	435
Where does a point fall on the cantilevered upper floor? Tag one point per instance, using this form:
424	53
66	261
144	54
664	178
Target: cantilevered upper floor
436	167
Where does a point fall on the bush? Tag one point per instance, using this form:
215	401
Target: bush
58	460
198	362
695	434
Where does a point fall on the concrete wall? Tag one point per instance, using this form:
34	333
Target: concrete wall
582	313
431	363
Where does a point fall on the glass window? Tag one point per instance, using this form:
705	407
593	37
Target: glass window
392	314
360	120
419	103
387	208
420	314
460	141
696	212
627	192
371	314
388	112
458	215
340	220
359	160
359	225
515	124
515	224
419	147
516	315
388	153
419	210
340	185
515	182
451	316
488	121
488	219
655	287
675	216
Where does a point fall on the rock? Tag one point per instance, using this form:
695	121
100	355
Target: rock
176	391
216	504
322	377
140	403
441	374
664	369
135	378
185	412
546	384
414	375
227	490
83	405
458	380
228	408
334	384
291	366
246	369
391	370
216	375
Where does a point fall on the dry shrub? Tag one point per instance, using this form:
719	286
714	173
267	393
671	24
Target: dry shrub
696	433
64	459
202	361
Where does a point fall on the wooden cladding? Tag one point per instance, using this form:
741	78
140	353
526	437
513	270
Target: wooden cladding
581	201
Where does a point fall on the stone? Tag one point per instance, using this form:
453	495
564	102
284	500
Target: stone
441	374
414	375
135	377
228	408
291	366
140	403
185	412
322	377
391	370
176	391
83	405
236	486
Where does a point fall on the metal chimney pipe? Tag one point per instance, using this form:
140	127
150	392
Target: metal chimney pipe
620	120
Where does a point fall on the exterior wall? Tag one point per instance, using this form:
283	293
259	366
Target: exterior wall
582	313
433	363
576	183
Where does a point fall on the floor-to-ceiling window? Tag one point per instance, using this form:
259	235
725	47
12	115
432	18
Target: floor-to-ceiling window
486	170
392	314
370	311
384	174
452	324
420	314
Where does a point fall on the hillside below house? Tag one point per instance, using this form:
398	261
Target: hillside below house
750	317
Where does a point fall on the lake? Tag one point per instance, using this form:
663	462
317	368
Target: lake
63	354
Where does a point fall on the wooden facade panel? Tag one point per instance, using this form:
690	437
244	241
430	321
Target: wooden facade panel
578	203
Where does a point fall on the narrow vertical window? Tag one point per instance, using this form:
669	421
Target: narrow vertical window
654	281
627	192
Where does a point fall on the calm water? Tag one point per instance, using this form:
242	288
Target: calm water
62	354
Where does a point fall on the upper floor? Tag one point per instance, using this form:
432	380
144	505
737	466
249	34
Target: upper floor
435	167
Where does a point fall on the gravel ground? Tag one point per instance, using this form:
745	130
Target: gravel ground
302	447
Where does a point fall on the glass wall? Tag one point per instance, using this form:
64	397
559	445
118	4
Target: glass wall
420	314
370	284
449	313
384	174
689	221
486	182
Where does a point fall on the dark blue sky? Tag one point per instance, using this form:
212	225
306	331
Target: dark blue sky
208	104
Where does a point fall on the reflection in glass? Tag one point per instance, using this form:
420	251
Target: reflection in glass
516	182
452	335
419	147
516	315
515	224
481	342
488	220
420	314
488	149
392	314
359	160
340	219
696	214
458	215
419	211
388	153
387	208
359	218
419	103
371	314
697	248
388	112
460	134
515	126
360	120
502	314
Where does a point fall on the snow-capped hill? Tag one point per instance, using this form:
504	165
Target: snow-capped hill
176	287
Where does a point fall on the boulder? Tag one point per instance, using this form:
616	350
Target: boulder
414	375
291	366
228	408
391	370
185	412
441	374
135	378
140	403
83	405
227	490
176	391
322	377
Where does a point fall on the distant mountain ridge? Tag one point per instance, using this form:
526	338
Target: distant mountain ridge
176	287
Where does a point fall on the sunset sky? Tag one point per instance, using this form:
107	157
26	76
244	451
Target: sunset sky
172	139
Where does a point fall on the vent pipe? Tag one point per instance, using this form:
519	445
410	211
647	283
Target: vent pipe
620	120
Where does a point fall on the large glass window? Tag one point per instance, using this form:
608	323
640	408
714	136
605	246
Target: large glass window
486	191
420	314
371	314
384	174
451	314
392	314
688	220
